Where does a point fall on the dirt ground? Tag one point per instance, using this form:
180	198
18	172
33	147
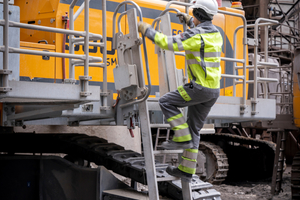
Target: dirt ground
244	190
255	190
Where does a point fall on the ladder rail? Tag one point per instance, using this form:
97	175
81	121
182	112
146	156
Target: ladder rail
278	163
164	152
136	86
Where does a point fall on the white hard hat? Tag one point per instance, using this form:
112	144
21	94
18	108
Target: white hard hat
209	6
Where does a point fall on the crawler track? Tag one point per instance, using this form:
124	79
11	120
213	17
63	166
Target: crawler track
218	159
112	156
248	158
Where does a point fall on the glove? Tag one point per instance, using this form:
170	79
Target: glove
184	18
142	27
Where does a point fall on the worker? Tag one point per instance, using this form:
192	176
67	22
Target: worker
203	45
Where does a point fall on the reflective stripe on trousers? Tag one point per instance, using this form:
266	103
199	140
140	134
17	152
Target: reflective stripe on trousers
189	162
180	128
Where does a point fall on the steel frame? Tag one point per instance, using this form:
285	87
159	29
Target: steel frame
85	58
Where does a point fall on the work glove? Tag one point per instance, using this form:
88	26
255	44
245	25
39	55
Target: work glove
184	18
142	27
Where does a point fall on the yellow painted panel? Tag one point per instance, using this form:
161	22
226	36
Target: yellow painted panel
296	100
228	92
38	12
33	66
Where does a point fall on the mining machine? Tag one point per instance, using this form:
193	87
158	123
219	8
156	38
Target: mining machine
83	63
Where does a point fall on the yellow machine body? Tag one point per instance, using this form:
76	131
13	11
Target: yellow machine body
50	12
296	88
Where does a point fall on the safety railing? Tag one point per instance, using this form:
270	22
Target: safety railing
256	65
77	59
82	41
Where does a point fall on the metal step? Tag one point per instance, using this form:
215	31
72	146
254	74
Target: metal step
129	194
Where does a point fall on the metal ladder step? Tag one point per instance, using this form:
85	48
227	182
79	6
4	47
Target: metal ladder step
167	151
160	126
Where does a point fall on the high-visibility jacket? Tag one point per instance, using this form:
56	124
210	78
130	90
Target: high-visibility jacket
202	45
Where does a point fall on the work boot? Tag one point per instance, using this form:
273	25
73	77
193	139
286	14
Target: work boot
171	145
174	171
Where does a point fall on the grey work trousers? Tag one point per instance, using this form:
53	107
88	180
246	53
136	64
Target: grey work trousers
202	99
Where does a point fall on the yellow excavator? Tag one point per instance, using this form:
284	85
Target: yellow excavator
83	63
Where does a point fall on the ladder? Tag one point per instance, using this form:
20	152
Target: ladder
158	136
134	93
278	162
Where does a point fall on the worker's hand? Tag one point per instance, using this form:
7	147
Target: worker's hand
184	18
142	27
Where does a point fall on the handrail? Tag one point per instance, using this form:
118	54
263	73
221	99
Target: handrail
5	85
80	9
104	41
144	46
177	3
53	54
71	44
256	52
156	20
50	29
85	57
243	106
235	46
256	64
86	49
168	10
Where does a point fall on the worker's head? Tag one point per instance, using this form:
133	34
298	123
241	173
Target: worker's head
204	10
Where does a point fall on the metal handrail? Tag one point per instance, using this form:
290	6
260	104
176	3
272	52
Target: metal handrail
265	65
53	54
86	43
5	43
71	44
50	29
256	52
243	106
177	3
85	57
104	41
145	50
235	47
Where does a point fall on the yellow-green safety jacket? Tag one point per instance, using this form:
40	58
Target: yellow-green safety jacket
203	47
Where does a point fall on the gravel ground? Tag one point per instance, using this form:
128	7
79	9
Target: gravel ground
255	190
